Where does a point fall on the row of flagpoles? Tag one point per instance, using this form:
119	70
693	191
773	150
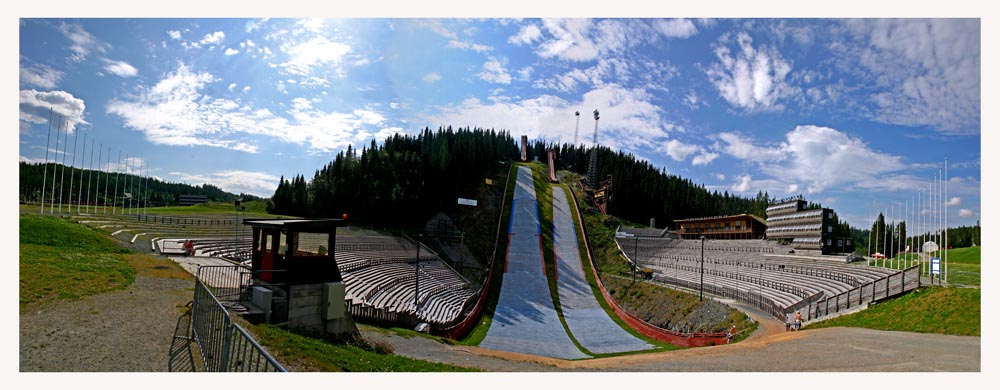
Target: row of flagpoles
128	188
929	211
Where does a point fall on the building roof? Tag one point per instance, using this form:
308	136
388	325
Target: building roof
298	225
721	218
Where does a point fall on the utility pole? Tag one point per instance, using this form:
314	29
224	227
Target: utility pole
45	175
701	283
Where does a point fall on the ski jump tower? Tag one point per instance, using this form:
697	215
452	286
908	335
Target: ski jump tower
592	168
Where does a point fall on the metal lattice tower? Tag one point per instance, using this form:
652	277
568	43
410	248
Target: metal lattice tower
592	168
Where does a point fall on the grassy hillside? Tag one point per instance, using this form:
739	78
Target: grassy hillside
304	354
929	309
964	266
62	260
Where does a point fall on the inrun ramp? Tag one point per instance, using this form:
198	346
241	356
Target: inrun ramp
588	322
525	319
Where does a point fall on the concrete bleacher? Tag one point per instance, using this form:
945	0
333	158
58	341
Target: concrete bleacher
380	272
789	281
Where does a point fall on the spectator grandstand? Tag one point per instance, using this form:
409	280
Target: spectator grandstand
807	230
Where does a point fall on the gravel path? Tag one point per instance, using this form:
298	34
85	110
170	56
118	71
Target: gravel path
121	331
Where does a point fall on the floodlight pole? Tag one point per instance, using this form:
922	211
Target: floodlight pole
576	135
701	284
416	280
635	261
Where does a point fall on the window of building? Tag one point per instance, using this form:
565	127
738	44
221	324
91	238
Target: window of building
829	229
738	223
829	242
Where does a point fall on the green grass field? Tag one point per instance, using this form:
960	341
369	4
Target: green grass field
929	309
315	355
62	260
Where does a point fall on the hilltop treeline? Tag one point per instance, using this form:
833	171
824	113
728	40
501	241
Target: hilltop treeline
641	191
160	193
408	178
401	182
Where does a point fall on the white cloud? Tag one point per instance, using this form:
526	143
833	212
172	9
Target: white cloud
628	118
494	72
42	76
742	183
751	79
213	38
35	107
174	34
478	48
83	43
928	70
963	213
312	24
955	201
432	77
524	74
230	51
436	26
231	87
676	28
691	100
526	35
822	158
704	158
234	181
314	55
176	112
720	176
246	89
679	151
119	68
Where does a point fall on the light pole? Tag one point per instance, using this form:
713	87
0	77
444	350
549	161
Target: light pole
416	280
701	284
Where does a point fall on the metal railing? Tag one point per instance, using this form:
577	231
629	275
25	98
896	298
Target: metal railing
867	293
223	345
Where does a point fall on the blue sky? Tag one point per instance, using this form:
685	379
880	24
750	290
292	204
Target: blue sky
846	112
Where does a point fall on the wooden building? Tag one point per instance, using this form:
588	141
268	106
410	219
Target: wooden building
729	227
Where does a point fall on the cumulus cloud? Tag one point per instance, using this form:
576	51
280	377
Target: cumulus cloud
704	158
213	38
174	34
582	39
494	72
35	107
230	51
313	55
742	183
526	35
38	75
927	71
752	79
235	181
676	28
822	158
955	201
119	68
476	47
679	151
965	213
177	112
82	42
628	118
432	77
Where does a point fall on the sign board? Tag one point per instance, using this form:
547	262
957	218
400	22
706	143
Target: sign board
467	202
936	265
930	246
489	182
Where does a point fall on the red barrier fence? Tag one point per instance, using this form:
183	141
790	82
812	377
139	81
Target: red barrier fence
649	330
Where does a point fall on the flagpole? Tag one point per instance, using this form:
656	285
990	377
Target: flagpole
118	175
868	258
45	168
946	220
90	173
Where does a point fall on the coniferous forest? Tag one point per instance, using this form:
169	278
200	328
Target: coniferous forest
407	179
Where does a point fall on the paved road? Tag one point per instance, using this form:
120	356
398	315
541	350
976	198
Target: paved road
525	320
587	321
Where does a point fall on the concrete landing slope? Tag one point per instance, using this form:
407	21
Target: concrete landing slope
525	320
588	322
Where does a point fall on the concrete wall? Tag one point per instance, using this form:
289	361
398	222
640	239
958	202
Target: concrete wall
305	308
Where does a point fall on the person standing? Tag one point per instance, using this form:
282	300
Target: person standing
730	334
798	320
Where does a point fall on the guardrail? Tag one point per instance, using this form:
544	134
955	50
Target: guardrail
867	293
223	345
